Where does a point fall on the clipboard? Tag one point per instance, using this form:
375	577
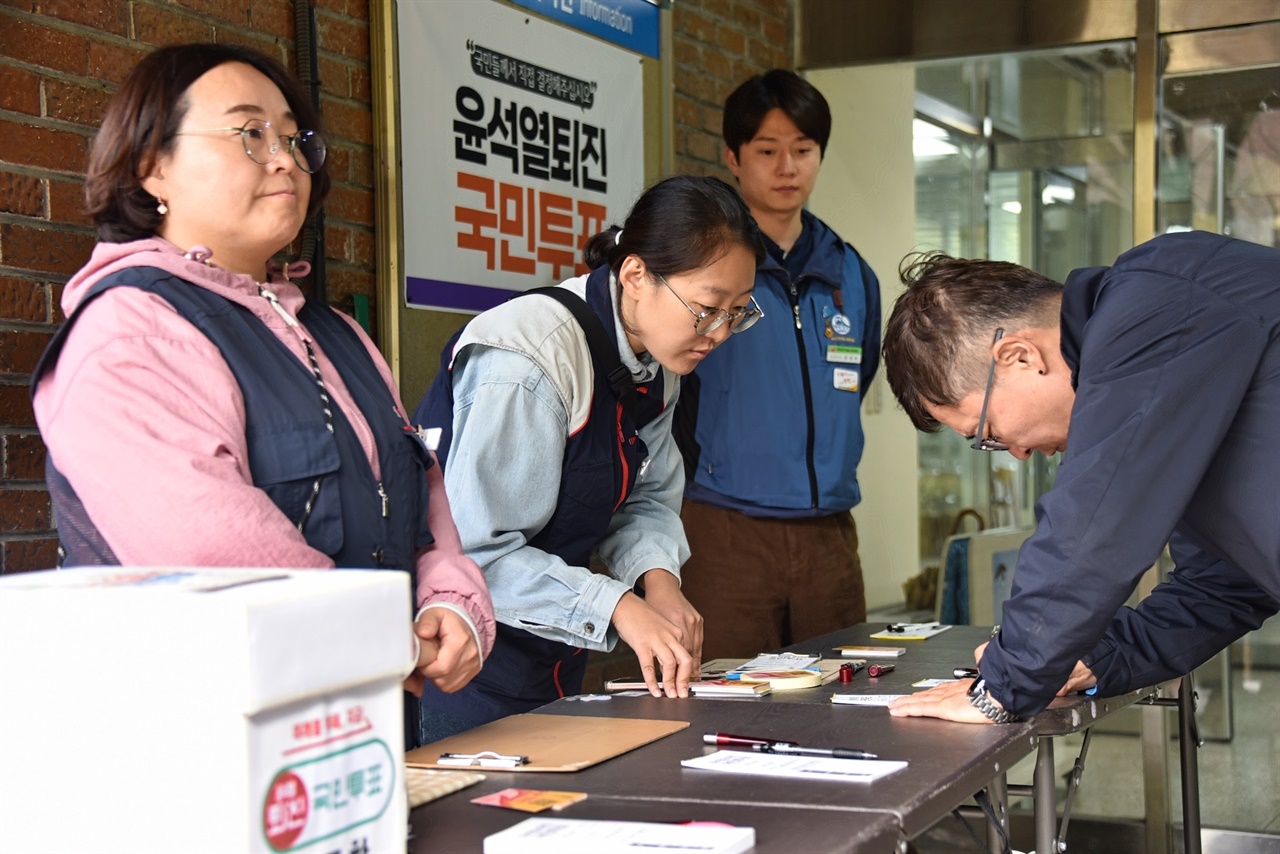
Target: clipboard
551	742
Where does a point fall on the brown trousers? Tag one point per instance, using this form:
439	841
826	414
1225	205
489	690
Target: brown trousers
761	584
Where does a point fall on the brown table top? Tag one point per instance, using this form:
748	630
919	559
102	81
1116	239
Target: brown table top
454	824
948	762
936	658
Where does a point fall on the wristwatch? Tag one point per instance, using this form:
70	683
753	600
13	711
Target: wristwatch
980	700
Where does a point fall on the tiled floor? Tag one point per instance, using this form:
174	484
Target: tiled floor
1239	778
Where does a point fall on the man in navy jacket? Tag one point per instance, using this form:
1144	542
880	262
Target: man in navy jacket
770	428
1158	379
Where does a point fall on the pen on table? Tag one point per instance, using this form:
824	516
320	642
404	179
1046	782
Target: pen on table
728	740
880	669
787	748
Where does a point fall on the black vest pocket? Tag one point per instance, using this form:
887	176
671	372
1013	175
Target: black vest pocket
286	465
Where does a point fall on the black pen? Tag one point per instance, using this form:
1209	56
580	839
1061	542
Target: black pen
830	752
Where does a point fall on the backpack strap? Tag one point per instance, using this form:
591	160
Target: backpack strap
604	349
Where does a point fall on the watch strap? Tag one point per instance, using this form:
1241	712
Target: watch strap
981	700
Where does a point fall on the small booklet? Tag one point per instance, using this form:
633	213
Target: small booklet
799	767
729	688
871	651
558	835
910	631
530	800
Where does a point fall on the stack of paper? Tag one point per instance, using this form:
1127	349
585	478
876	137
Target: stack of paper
557	835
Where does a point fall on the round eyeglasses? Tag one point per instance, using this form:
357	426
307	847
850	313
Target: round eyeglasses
706	322
262	143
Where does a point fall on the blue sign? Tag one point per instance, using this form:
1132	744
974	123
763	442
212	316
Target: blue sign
633	24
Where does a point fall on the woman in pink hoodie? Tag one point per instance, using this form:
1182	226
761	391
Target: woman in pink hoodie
197	409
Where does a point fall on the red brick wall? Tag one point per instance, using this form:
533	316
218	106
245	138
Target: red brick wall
60	60
719	44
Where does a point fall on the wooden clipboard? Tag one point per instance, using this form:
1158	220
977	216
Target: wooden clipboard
552	742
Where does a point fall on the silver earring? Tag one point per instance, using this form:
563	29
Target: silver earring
162	208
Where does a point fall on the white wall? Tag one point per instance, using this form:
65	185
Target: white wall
866	192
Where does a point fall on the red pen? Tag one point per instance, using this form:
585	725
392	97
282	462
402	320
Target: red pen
726	740
880	669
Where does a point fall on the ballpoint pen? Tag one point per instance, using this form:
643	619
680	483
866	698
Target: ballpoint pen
787	748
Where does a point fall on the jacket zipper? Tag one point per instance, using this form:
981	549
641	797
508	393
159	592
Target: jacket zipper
808	397
622	457
379	554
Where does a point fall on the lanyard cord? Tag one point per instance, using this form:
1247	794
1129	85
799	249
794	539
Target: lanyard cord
324	392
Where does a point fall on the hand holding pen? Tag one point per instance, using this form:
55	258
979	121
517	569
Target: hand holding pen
773	745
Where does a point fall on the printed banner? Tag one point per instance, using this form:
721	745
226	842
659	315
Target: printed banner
519	140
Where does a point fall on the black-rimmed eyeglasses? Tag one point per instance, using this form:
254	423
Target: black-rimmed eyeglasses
706	322
307	147
980	440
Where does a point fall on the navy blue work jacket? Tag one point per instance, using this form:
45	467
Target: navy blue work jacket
1174	437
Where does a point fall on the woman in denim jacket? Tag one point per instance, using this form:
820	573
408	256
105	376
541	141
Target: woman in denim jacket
547	463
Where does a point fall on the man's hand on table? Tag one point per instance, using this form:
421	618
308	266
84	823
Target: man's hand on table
948	701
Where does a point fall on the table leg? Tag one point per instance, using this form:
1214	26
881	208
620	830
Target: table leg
1189	743
999	794
1046	799
1155	778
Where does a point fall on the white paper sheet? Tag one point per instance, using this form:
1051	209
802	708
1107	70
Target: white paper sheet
865	699
799	767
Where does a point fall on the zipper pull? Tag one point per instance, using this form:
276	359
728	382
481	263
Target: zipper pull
275	303
795	309
386	503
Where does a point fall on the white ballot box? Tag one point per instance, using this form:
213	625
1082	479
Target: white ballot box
210	710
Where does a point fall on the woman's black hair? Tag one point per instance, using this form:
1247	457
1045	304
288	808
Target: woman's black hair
142	120
679	224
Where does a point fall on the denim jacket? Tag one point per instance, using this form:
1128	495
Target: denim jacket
525	380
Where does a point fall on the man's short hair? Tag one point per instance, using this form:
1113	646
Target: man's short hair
937	343
781	89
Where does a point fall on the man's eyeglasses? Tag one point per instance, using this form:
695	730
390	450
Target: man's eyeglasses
262	143
980	440
706	322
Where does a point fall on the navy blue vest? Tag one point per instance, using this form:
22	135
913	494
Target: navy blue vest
289	443
601	462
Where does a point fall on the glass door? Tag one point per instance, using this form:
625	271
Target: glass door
1028	158
1219	139
1218	170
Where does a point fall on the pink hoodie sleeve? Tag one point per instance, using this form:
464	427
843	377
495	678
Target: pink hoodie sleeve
445	573
143	416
